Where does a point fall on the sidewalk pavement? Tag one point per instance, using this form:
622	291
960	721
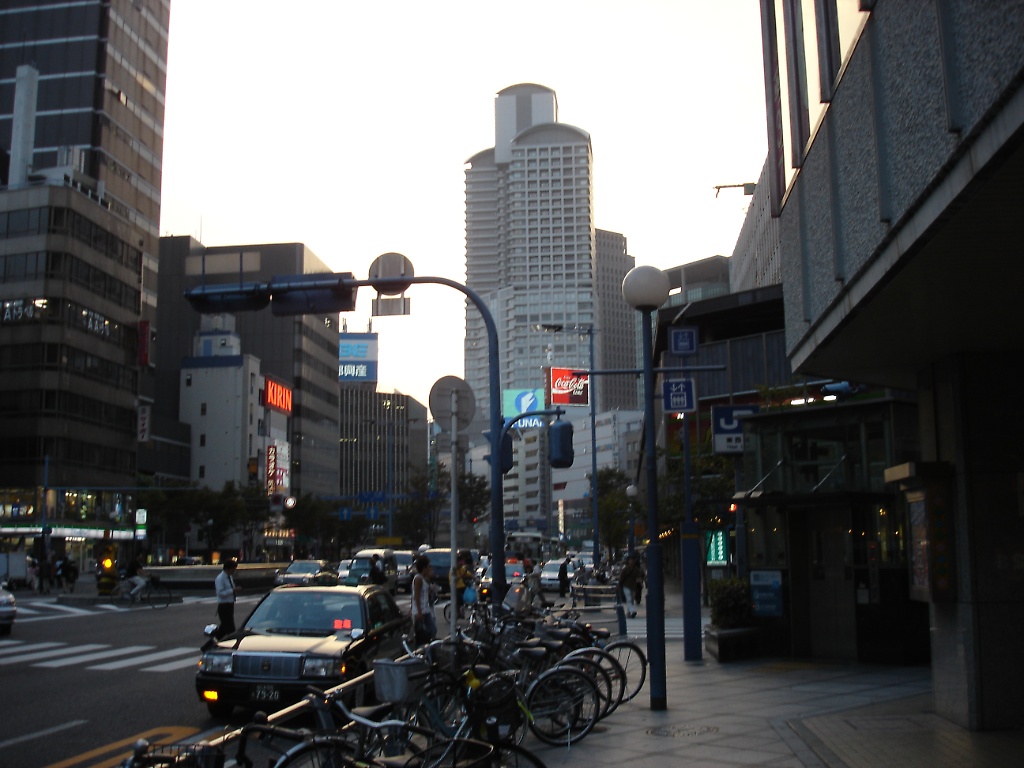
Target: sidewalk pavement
783	713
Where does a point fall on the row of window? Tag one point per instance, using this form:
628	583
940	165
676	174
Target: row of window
65	221
36	265
70	406
67	453
61	357
68	314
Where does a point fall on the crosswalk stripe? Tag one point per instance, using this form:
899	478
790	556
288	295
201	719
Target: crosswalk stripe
136	660
36	656
172	665
17	646
80	659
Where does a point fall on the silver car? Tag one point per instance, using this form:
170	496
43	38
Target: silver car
8	610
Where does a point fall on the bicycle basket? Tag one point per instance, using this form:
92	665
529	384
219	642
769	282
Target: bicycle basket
454	753
197	755
391	679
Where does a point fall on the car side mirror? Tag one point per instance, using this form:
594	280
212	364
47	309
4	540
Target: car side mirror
356	633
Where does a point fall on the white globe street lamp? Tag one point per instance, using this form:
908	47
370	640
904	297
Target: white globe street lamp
646	288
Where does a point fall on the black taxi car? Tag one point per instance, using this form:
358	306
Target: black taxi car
300	636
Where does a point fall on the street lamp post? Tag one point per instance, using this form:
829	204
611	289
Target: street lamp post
646	288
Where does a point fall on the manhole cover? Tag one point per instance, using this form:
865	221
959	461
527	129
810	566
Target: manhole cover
675	733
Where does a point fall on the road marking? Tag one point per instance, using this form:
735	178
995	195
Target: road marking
40	734
21	658
80	659
159	655
171	666
8	647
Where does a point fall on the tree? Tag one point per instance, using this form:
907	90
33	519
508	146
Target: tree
474	497
418	515
612	509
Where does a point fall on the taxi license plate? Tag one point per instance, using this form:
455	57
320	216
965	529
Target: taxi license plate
265	693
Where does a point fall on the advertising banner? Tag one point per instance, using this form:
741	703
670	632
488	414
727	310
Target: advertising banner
357	357
567	389
516	401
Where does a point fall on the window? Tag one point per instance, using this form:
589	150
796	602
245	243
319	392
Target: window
202	440
202	409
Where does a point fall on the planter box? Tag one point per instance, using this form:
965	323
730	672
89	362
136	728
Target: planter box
732	644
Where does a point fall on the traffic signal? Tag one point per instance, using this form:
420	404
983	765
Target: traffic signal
507	461
560	451
312	294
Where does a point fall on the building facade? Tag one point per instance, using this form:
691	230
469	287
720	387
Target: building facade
895	168
81	117
535	256
299	351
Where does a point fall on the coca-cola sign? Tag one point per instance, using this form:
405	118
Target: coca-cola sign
568	389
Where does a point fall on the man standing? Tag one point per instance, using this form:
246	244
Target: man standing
627	584
563	577
226	593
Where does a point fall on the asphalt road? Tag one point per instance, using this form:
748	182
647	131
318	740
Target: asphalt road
80	684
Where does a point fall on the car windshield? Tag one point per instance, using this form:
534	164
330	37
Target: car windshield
299	612
303	566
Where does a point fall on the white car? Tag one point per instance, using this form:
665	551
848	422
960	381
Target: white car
8	610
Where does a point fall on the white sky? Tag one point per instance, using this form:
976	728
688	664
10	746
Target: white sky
346	125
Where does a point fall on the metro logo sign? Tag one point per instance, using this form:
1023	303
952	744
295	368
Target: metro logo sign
567	389
277	396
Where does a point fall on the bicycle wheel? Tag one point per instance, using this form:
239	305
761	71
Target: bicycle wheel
119	594
609	691
439	709
159	597
514	756
610	664
634	661
453	753
563	706
322	752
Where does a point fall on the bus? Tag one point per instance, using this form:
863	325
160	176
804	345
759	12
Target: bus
538	547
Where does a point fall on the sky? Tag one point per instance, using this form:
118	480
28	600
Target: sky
347	125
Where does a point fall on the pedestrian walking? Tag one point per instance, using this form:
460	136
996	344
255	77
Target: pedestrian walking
70	573
227	591
563	577
627	584
423	620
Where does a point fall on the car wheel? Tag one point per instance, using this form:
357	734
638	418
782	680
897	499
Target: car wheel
220	709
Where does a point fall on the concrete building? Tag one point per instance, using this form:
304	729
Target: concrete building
81	117
534	255
895	171
299	351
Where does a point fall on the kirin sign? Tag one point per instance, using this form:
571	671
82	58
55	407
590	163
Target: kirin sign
568	389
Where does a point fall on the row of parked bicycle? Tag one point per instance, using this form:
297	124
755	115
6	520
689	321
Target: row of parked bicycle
467	700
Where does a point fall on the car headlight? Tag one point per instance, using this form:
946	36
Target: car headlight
322	666
216	663
8	600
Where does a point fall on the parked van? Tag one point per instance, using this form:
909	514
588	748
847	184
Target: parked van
359	568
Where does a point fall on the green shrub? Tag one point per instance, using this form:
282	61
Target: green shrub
730	603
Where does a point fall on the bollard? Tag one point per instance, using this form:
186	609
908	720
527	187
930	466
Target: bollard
620	612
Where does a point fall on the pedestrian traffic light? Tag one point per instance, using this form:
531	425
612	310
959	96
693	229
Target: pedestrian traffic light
560	450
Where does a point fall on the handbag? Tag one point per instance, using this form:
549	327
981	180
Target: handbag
469	596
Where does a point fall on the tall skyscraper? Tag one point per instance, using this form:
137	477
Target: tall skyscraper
536	258
81	140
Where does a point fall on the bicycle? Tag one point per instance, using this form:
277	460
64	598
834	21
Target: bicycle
152	593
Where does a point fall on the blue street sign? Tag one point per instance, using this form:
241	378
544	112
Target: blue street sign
683	341
680	396
344	513
727	426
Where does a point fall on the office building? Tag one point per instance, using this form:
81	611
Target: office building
81	117
534	255
300	351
